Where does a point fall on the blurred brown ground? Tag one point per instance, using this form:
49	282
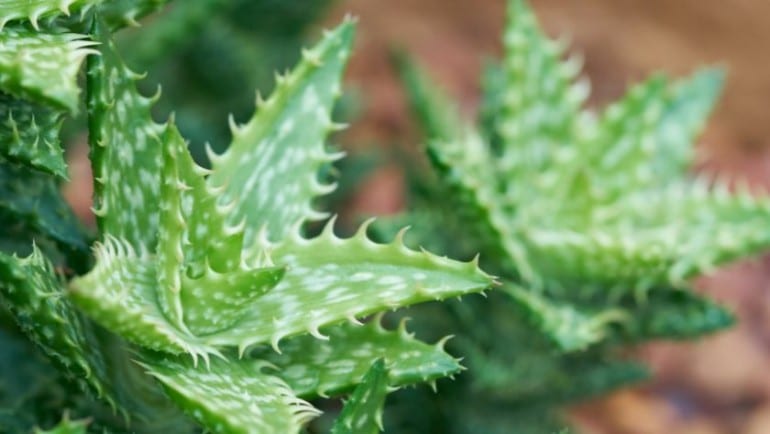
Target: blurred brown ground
716	385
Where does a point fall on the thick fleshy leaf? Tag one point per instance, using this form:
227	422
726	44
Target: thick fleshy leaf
34	294
653	238
42	67
329	280
198	251
120	294
462	159
270	170
29	135
314	367
33	11
540	104
126	150
362	413
235	396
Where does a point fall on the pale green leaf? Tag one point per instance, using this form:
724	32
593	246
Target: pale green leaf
42	67
329	280
314	367
270	169
35	10
539	104
126	150
235	396
120	294
29	135
362	413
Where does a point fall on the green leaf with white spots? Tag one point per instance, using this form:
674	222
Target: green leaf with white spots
34	294
314	367
231	396
34	11
126	151
362	413
330	280
120	293
270	170
42	67
540	103
29	134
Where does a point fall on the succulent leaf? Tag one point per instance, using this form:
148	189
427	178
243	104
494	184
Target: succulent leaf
329	280
42	67
231	396
270	169
33	11
314	367
29	134
362	413
126	152
35	296
120	294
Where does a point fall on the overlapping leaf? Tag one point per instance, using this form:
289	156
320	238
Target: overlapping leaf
34	294
29	134
42	67
314	367
231	396
271	169
362	413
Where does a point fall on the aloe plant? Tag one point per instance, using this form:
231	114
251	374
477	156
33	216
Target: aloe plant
204	304
590	218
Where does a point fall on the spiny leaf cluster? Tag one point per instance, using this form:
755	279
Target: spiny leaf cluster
203	296
589	216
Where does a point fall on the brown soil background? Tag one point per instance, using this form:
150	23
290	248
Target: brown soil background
719	384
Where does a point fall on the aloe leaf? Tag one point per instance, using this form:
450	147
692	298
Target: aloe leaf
329	280
120	294
202	282
33	11
235	396
270	169
540	103
29	134
362	413
126	150
42	67
35	295
678	232
314	367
